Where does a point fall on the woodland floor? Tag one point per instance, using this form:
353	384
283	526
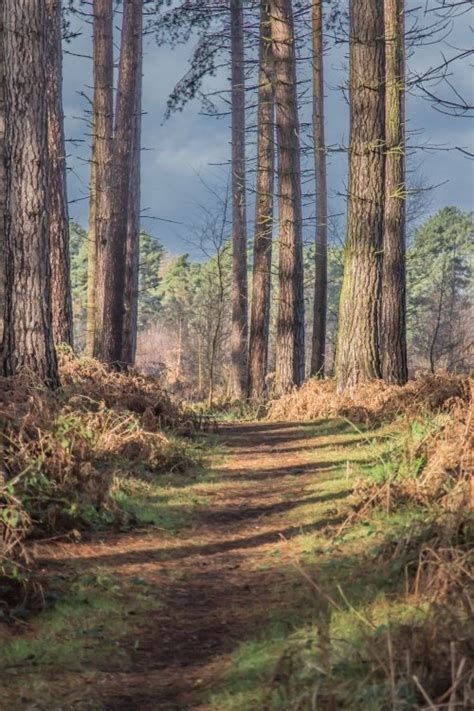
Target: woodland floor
194	610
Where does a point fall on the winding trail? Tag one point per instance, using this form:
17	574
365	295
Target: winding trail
212	583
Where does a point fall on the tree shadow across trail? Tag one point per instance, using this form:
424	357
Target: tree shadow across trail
226	589
218	583
273	434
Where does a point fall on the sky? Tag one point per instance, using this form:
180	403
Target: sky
188	154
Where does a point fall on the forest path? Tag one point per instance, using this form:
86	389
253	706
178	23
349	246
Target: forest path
213	585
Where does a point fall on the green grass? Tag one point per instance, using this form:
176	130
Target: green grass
80	635
286	665
326	638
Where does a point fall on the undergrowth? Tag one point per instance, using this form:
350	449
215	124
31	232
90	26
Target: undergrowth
69	458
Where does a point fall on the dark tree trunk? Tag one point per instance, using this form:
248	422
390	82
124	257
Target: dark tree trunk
290	325
2	172
59	216
393	333
28	334
114	262
318	346
91	257
239	219
132	252
260	316
358	343
102	123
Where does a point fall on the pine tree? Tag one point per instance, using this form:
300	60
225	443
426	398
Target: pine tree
318	346
91	256
393	329
2	171
28	345
59	215
239	219
132	251
358	356
290	324
260	315
101	173
111	335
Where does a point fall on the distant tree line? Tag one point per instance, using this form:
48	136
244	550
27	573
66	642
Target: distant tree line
185	310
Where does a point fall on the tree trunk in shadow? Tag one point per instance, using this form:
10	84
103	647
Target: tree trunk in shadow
393	331
28	346
111	336
318	346
59	212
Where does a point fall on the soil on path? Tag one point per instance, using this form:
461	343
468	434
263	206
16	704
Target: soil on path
213	589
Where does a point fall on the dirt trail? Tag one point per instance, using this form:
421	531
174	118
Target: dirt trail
211	582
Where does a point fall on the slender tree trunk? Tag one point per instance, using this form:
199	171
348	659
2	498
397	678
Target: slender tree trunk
2	171
318	346
260	316
28	335
358	343
91	256
102	122
393	332
115	251
59	213
239	218
200	383
179	353
132	252
290	326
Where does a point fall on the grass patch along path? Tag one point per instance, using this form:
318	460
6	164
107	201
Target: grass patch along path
195	610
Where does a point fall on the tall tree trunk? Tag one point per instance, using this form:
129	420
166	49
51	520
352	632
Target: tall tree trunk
358	343
28	345
290	325
239	217
393	332
132	251
91	255
102	123
318	346
114	263
59	214
260	316
2	171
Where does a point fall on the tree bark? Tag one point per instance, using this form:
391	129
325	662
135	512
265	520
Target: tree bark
318	346
2	171
260	314
132	251
358	338
115	250
393	332
91	305
290	325
239	219
59	214
102	123
28	346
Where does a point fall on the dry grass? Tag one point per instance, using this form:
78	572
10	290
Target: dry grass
375	402
145	396
436	468
63	453
422	656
